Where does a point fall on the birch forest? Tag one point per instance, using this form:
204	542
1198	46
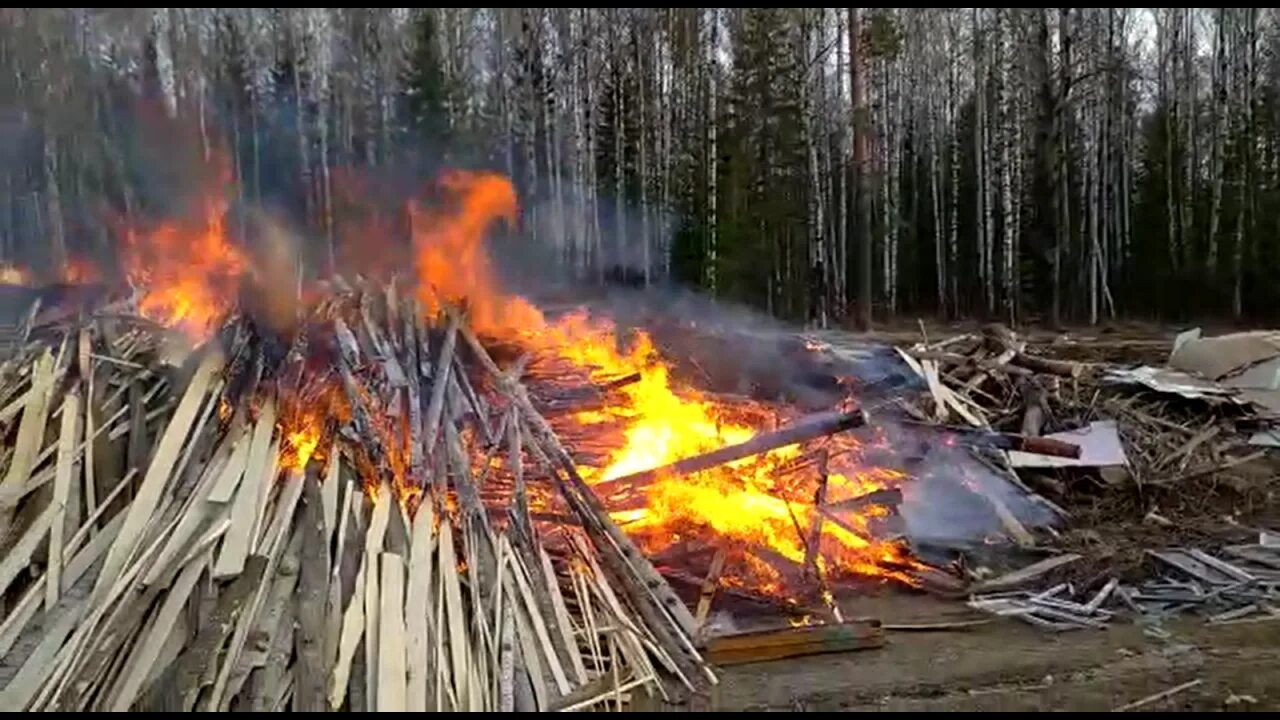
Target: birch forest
830	166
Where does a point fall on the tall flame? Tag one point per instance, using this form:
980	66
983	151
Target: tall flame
451	262
187	271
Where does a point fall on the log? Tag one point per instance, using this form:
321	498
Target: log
806	428
1033	414
1005	441
1065	368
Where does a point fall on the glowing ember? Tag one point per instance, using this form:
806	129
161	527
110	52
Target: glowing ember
187	273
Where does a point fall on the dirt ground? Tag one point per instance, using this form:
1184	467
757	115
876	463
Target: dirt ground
1007	665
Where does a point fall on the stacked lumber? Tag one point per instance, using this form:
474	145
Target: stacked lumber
349	513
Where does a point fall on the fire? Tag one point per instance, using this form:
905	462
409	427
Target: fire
79	271
450	259
187	272
13	275
743	504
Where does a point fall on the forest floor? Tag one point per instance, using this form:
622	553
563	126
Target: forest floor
1005	664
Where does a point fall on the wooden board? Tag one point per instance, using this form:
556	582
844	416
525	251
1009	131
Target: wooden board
144	655
417	605
794	642
247	503
157	477
391	645
62	493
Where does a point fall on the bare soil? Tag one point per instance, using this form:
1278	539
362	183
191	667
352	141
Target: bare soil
1007	665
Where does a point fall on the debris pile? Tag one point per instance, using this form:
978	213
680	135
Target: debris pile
339	515
1243	589
1156	448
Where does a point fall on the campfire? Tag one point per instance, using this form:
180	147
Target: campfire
476	506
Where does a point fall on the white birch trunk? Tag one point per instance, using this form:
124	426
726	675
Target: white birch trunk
1006	170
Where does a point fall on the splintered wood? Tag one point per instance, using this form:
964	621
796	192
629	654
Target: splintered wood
367	515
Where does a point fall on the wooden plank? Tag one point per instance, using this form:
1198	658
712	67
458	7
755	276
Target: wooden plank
391	645
506	661
157	476
329	487
311	668
246	506
198	511
271	548
417	605
22	689
794	642
440	383
276	610
806	428
563	622
61	493
372	590
228	478
26	608
19	556
1024	575
539	627
353	621
456	634
351	498
145	653
178	688
30	435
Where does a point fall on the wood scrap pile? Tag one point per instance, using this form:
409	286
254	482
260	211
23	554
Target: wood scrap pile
1239	583
1128	433
363	512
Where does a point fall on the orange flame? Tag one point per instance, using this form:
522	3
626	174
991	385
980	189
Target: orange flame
450	259
187	272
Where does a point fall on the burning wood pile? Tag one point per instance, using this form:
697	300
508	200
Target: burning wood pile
396	494
267	525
